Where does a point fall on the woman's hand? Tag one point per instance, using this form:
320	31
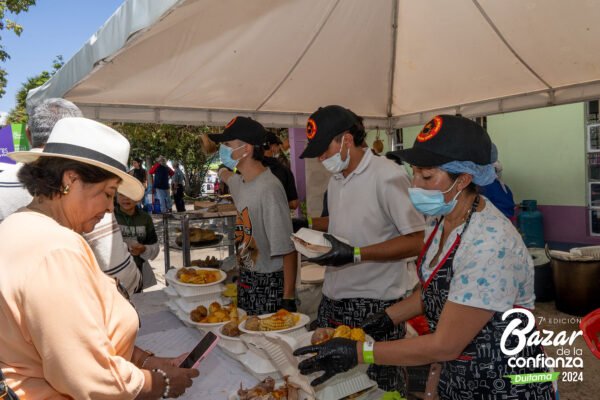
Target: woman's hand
179	379
335	356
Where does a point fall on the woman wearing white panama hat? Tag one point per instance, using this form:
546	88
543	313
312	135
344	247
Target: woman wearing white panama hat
67	331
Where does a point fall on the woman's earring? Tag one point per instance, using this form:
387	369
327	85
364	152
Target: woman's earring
66	189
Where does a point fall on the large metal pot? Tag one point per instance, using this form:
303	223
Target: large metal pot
577	285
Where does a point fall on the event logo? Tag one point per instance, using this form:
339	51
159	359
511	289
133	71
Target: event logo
231	122
311	129
526	334
430	129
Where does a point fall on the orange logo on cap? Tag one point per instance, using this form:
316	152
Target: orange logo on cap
430	129
230	122
311	128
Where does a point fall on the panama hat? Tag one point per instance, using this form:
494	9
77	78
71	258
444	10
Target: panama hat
92	143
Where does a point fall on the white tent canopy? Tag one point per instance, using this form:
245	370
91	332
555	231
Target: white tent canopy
204	61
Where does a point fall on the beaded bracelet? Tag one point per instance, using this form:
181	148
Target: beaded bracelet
165	394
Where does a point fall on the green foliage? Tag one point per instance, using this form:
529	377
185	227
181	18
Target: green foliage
18	115
175	142
15	7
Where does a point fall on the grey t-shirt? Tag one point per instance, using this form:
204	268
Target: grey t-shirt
263	225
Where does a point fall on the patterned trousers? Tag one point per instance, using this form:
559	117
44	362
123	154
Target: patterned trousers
353	312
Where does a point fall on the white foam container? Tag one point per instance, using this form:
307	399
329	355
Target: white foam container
171	292
269	351
192	290
234	346
174	308
258	367
341	385
311	236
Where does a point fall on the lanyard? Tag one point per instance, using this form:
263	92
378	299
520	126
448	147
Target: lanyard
450	252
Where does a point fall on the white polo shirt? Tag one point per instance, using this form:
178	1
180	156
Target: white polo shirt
369	206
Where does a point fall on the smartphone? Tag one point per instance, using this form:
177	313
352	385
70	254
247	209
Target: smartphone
204	346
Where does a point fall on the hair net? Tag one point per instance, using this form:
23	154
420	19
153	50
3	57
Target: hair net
494	154
482	174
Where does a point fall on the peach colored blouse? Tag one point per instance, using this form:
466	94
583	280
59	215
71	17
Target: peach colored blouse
65	330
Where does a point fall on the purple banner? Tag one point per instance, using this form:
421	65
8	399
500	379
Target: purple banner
6	144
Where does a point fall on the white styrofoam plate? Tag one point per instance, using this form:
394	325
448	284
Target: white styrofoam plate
195	292
312	273
170	292
313	237
304	319
173	277
233	345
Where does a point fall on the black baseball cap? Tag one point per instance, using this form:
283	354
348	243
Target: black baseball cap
325	124
272	138
447	138
241	128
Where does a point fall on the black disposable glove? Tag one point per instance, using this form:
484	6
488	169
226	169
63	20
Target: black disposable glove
335	356
289	304
378	324
340	253
299	223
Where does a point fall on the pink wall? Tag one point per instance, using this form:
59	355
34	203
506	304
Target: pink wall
567	224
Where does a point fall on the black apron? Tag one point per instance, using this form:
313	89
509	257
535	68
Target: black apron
479	372
260	293
353	312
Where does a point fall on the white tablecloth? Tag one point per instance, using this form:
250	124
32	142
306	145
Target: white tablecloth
165	335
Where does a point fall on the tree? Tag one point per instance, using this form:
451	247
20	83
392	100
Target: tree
18	115
15	7
175	142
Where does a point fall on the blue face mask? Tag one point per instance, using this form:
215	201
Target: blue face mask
225	156
431	202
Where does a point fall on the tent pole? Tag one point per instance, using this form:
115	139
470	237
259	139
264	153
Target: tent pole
392	59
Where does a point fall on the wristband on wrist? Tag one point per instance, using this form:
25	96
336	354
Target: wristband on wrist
368	354
357	258
309	219
165	393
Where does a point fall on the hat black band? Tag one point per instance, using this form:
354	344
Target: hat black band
78	151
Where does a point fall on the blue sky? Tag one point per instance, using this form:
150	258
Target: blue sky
50	28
